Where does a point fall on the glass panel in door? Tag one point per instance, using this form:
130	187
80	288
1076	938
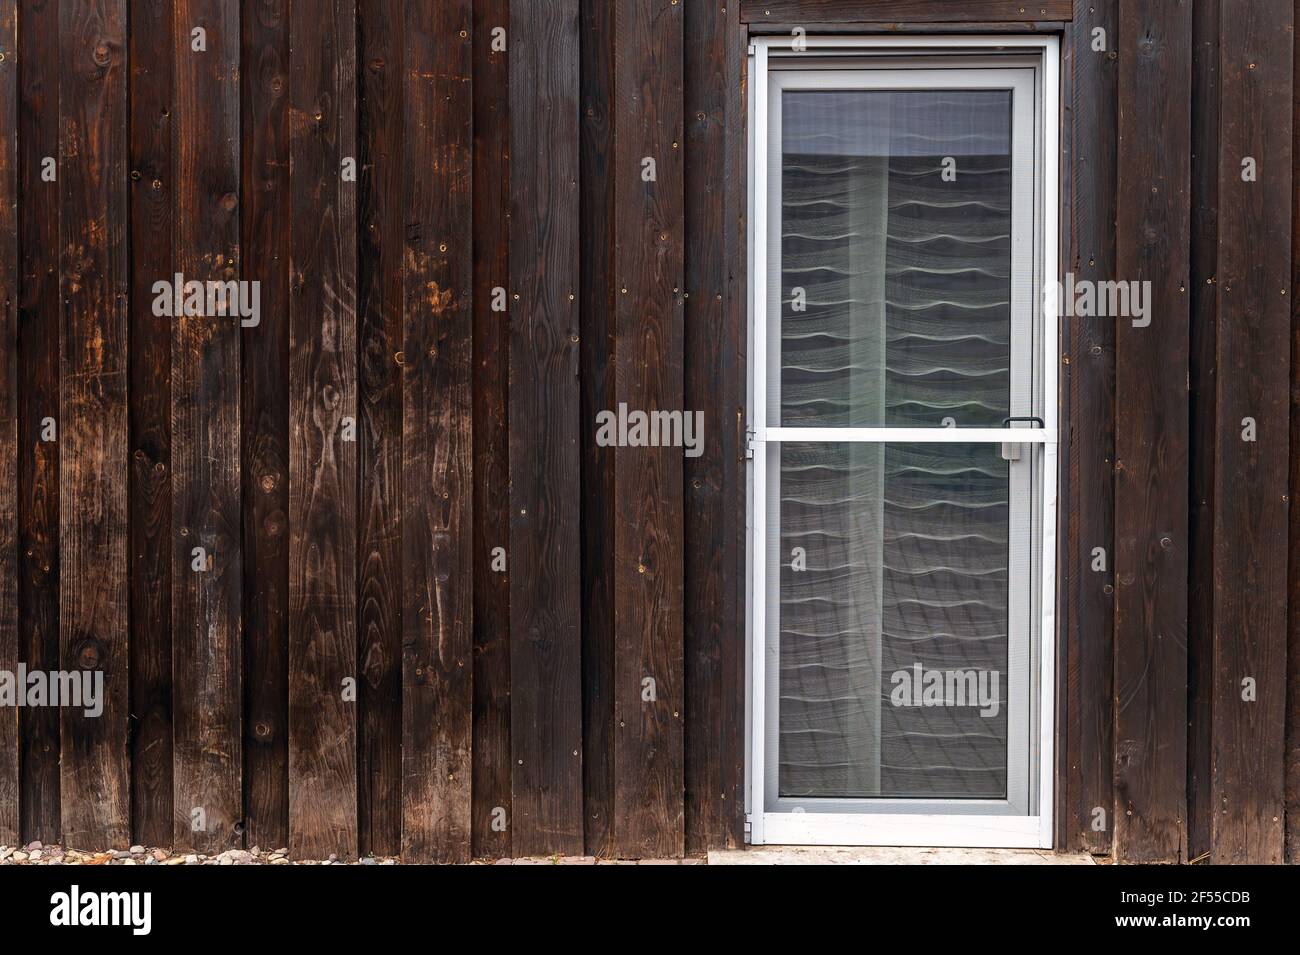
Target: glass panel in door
901	569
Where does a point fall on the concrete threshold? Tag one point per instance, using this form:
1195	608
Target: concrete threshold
887	855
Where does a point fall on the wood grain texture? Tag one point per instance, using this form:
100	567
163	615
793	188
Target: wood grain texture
1204	426
492	699
93	595
437	434
596	256
1250	515
714	385
1291	759
207	651
264	420
648	818
1063	675
151	193
9	294
322	431
902	11
545	618
1090	621
1151	439
379	424
38	403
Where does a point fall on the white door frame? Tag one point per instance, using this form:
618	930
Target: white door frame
1033	830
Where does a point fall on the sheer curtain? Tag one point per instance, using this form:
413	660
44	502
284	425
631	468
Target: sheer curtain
895	259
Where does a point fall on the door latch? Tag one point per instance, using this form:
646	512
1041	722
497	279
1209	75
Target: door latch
1011	449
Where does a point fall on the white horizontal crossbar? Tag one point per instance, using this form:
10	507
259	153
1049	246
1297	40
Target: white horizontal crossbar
912	435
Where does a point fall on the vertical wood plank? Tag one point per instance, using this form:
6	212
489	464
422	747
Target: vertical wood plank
1151	433
545	589
150	33
1204	428
437	434
1291	766
492	699
714	481
322	430
93	594
379	301
597	394
9	788
38	409
648	584
264	421
1250	516
206	374
1090	719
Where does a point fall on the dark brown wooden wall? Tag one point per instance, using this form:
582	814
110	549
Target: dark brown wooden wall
1167	755
460	264
426	600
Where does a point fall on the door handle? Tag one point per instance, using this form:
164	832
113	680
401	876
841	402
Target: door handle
1011	449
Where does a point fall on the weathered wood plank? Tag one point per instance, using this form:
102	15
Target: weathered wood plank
1151	437
437	434
648	504
902	11
9	293
1250	514
492	701
1291	765
322	430
206	374
152	188
264	421
1204	429
93	594
1090	720
595	255
714	385
379	303
38	409
545	589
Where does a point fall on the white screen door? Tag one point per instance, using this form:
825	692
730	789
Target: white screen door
903	436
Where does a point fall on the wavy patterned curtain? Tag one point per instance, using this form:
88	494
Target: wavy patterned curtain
895	259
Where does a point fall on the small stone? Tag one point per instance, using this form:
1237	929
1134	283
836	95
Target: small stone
34	845
20	856
35	856
121	854
137	850
279	860
128	861
191	859
159	855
